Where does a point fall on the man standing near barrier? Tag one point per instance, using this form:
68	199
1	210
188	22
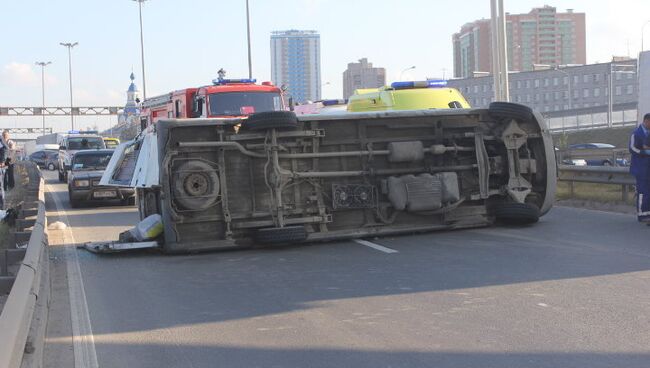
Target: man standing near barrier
640	168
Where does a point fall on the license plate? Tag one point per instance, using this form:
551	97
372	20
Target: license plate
104	194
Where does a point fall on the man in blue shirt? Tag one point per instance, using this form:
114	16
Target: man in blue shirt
640	168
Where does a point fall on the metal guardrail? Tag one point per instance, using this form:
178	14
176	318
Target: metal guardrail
598	175
21	306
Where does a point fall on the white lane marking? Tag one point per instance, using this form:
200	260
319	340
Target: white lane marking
83	341
375	246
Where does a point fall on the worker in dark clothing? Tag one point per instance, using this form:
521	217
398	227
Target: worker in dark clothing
640	168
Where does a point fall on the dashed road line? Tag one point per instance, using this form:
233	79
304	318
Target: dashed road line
375	246
83	342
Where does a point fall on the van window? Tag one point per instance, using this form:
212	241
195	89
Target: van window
81	143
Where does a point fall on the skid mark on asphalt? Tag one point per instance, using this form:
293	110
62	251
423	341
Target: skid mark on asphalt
83	341
372	245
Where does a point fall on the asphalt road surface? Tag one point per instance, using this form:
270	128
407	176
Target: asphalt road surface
571	291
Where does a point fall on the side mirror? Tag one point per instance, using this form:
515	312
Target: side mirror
197	110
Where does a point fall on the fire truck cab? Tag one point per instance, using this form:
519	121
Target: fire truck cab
225	98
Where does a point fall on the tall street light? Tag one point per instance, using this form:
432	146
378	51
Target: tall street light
642	28
402	73
43	64
70	45
248	34
144	80
499	51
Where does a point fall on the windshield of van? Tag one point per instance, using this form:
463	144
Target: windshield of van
82	143
95	161
243	103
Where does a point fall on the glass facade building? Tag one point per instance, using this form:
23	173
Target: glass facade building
295	63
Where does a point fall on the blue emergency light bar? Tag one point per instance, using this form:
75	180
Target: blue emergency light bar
334	102
233	81
432	83
82	132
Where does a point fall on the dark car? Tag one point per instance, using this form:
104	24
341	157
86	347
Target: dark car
45	159
598	154
85	173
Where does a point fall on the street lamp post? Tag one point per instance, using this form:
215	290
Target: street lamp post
43	64
402	73
499	51
144	79
642	28
248	35
70	45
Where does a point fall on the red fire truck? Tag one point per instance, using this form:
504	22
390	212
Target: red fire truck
225	98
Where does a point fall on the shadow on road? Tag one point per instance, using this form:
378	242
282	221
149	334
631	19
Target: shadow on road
135	355
145	292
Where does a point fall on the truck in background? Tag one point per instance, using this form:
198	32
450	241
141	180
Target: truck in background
225	98
31	147
52	138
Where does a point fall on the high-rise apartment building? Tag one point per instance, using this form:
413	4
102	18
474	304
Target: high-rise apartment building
295	63
542	36
362	75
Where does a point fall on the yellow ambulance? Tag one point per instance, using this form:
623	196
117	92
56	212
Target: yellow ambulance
418	95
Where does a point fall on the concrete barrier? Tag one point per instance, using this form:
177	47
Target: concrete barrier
24	317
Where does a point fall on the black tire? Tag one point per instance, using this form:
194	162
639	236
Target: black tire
281	235
515	213
285	120
196	185
73	202
50	166
508	110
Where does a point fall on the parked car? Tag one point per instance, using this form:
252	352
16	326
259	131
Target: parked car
86	170
45	159
575	162
597	154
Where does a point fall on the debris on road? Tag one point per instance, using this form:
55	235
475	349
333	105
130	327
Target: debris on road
139	237
57	225
114	247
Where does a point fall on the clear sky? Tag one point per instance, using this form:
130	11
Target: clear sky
187	41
